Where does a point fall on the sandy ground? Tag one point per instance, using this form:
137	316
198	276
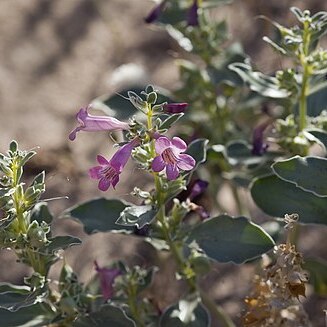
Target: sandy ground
58	55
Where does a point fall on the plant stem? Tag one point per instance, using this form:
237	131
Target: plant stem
132	302
305	77
214	309
303	96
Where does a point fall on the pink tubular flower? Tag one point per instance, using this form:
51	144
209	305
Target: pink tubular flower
171	156
91	123
108	172
107	277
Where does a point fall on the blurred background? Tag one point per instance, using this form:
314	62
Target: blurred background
58	55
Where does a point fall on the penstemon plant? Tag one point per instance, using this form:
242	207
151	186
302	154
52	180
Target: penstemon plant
176	225
279	172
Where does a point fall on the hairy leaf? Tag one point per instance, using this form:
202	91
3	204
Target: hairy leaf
226	238
307	173
277	198
98	215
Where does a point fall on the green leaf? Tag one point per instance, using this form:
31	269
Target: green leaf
277	198
258	82
37	315
317	100
240	152
186	313
98	215
307	173
317	135
41	212
207	4
169	121
60	242
198	150
14	297
118	106
107	316
137	215
318	275
226	238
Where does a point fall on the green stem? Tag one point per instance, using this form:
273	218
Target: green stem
132	302
161	216
305	77
303	96
293	235
239	205
216	311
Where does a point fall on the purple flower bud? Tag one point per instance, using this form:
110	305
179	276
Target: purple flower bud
192	15
143	231
155	13
108	171
258	145
175	108
107	277
171	156
89	123
198	188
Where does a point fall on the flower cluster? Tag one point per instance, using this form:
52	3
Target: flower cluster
169	153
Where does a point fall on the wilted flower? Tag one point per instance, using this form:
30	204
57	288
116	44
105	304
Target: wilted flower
171	156
90	123
192	14
107	277
108	172
175	108
155	13
258	145
274	300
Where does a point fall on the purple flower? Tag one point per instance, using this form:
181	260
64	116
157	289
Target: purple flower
192	14
91	123
108	172
171	156
258	145
155	13
175	108
198	188
107	277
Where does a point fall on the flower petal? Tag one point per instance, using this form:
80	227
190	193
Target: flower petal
185	162
107	277
179	144
102	160
104	184
120	158
72	134
172	172
81	115
158	164
162	143
95	172
115	181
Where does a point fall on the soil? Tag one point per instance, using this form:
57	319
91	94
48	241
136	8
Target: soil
57	56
